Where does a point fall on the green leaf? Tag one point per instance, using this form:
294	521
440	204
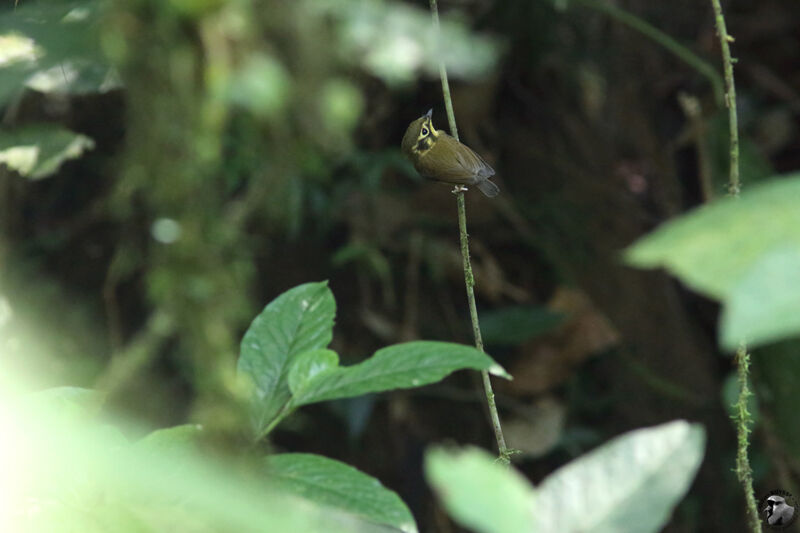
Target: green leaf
514	325
61	472
480	493
68	403
713	247
630	484
338	485
39	151
400	366
297	321
310	364
765	305
177	438
57	34
75	77
744	252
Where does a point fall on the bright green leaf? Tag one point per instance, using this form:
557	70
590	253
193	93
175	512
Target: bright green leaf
630	484
735	250
69	403
39	151
55	474
400	366
338	485
297	321
176	438
310	364
713	247
514	325
480	493
765	305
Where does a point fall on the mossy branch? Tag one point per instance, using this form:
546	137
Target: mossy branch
504	454
742	416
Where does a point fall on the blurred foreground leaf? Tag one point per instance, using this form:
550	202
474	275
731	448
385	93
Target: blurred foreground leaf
765	305
744	252
338	485
65	477
630	484
39	151
479	492
54	43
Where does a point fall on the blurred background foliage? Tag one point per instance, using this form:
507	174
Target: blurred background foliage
171	166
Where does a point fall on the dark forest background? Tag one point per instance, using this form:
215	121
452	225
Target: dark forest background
199	157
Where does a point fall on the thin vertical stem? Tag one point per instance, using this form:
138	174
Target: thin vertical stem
469	279
744	421
742	416
734	186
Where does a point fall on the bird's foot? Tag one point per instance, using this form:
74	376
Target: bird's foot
458	188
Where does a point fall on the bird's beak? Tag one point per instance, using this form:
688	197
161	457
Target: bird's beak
429	114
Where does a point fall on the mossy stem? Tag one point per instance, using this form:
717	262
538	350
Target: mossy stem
744	422
469	280
742	416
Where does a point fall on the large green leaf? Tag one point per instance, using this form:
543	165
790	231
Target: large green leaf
308	365
39	151
765	305
630	484
479	492
713	247
338	485
175	439
297	321
735	250
63	41
69	403
406	365
54	475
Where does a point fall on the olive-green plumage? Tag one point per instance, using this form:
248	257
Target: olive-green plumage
440	157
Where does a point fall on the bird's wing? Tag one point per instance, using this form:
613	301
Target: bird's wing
454	162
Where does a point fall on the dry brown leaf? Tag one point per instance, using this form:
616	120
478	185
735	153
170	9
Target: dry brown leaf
547	362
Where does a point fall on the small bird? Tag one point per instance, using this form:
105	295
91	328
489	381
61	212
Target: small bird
438	156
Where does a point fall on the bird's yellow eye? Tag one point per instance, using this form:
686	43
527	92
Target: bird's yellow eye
424	131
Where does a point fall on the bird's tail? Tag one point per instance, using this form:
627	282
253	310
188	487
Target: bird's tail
488	188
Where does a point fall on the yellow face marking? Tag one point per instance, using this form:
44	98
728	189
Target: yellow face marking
426	138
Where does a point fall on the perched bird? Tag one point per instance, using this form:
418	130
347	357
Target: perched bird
438	156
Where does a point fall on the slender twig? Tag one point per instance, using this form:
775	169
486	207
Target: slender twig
730	98
742	416
503	452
